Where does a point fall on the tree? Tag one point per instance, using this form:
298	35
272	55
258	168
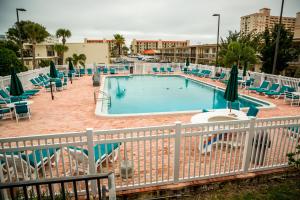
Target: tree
63	34
120	40
13	35
36	33
44	63
8	59
8	44
60	49
77	59
239	53
246	41
286	51
125	50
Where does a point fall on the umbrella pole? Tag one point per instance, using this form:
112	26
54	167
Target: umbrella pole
52	96
230	106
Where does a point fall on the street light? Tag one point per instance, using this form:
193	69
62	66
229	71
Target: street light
217	15
19	30
277	40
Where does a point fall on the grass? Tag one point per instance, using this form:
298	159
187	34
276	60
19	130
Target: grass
287	189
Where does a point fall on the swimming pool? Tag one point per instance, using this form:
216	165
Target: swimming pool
144	94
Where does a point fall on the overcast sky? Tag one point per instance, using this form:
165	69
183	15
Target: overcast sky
140	19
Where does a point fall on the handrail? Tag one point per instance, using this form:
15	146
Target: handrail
105	96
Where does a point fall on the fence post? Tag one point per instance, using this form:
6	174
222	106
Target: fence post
248	145
91	157
177	150
111	187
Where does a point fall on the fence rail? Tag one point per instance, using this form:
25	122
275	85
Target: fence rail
148	156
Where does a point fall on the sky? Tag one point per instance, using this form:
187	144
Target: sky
141	19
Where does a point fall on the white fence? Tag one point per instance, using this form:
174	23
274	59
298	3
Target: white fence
24	77
149	156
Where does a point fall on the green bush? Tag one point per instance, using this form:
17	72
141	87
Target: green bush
8	60
44	63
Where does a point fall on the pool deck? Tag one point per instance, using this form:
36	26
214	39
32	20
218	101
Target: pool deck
74	110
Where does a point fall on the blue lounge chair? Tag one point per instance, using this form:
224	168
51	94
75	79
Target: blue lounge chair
82	71
194	71
293	99
101	152
105	70
222	76
162	70
252	112
112	70
264	85
6	113
274	87
170	70
248	83
26	92
10	99
155	70
22	110
279	93
90	71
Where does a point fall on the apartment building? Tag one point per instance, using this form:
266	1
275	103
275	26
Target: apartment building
139	46
95	52
199	54
259	22
112	46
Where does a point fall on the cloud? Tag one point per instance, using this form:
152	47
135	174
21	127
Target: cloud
141	19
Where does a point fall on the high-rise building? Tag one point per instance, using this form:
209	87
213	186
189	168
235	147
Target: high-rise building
139	46
259	22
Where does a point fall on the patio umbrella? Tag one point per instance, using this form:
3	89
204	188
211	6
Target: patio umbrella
16	88
187	62
231	92
53	75
71	69
245	70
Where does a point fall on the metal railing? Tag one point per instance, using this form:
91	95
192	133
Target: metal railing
100	95
98	186
150	156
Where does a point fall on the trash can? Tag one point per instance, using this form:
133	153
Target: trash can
259	143
131	70
96	80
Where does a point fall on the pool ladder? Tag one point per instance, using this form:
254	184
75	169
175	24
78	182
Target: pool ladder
104	97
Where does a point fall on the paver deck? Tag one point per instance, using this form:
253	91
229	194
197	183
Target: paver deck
74	110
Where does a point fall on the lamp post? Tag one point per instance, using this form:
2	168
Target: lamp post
217	15
277	39
19	31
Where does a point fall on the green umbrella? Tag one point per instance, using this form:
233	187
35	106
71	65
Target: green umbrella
71	69
16	88
231	92
245	70
53	72
187	62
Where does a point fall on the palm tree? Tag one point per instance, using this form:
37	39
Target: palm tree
120	40
63	34
60	49
36	33
77	59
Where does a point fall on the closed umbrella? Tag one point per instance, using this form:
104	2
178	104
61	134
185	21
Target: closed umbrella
71	69
231	92
245	70
16	88
187	63
53	75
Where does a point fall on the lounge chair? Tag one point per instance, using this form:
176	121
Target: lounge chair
253	111
90	71
35	83
222	76
11	99
101	152
194	71
279	93
293	99
82	71
6	113
155	70
162	70
105	70
204	73
98	70
22	110
274	87
22	162
185	70
264	85
58	85
65	83
26	92
248	83
112	70
170	70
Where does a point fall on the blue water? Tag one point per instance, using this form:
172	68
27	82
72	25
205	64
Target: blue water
150	94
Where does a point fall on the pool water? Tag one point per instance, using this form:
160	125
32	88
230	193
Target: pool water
154	94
